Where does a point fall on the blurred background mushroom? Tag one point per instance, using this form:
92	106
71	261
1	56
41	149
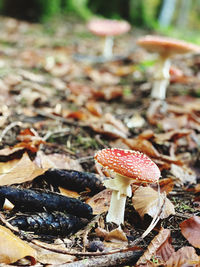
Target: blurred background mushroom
166	48
108	28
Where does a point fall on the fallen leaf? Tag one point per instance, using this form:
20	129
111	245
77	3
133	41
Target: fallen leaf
190	229
9	153
46	256
160	248
68	193
184	257
58	161
19	171
171	135
142	145
100	202
174	122
183	173
166	185
12	248
102	78
109	125
115	235
136	121
146	200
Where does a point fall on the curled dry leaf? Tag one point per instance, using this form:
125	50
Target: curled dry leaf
68	193
110	126
174	122
100	202
160	248
46	256
13	248
183	173
142	145
58	161
19	171
149	203
166	185
115	235
190	229
171	135
185	256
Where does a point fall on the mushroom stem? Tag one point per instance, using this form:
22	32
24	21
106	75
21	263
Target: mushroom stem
161	78
108	47
121	188
117	207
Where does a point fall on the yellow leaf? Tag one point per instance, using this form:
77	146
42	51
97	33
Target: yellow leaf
19	171
145	201
12	248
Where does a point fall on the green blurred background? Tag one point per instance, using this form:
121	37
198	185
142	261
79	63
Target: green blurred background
179	18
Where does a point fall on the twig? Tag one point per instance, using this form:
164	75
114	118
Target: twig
157	215
116	259
8	225
8	128
54	248
61	131
57	118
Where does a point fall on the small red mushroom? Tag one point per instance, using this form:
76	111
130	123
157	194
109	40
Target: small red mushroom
108	28
127	166
166	48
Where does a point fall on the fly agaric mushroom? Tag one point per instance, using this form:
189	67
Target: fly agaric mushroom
108	28
166	48
127	166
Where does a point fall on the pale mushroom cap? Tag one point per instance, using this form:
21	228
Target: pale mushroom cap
129	163
108	27
166	45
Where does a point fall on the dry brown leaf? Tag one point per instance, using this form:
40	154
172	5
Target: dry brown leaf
146	200
100	202
136	121
174	122
183	173
115	235
46	256
184	257
171	135
109	125
166	185
12	248
19	171
68	193
59	161
142	145
190	229
159	248
102	78
8	153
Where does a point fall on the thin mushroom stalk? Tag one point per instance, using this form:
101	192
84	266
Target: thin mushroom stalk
121	189
108	47
161	78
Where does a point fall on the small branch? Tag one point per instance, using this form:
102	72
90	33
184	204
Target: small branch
116	259
57	118
8	128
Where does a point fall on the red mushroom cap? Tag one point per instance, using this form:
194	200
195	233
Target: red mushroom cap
129	163
166	45
108	27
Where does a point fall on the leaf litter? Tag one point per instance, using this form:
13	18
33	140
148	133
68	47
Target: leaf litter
55	113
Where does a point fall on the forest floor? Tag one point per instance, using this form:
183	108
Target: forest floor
59	106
